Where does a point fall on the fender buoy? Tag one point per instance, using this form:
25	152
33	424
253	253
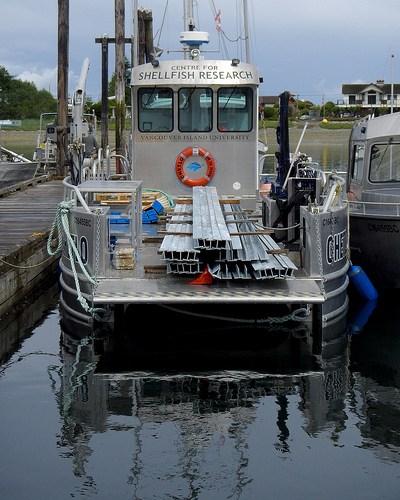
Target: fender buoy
180	171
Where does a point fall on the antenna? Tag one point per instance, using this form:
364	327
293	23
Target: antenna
391	86
189	38
246	30
188	15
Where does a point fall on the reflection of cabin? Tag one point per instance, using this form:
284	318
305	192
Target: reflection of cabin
369	96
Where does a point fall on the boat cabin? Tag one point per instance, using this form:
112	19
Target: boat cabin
196	124
374	159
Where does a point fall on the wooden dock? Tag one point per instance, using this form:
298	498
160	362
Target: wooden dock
26	216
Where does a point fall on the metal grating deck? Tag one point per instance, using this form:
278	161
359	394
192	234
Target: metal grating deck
179	290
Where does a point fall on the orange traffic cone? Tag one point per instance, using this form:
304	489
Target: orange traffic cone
205	278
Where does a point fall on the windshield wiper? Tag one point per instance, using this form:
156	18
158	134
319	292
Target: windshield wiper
382	157
150	97
229	98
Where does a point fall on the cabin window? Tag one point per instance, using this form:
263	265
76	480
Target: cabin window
358	161
195	109
385	162
155	109
235	109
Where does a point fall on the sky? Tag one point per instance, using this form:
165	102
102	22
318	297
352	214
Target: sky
309	47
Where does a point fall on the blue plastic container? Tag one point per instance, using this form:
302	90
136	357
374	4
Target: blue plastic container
362	283
149	216
158	207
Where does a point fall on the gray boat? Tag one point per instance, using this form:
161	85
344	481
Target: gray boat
219	246
15	168
374	198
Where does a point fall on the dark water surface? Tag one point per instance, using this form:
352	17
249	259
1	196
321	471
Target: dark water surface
210	414
78	420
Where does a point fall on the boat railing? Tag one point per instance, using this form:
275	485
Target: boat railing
72	192
376	208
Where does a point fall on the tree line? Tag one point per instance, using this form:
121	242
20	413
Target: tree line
20	100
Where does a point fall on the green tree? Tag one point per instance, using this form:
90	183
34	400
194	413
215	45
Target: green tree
330	109
5	86
111	85
270	113
19	99
304	106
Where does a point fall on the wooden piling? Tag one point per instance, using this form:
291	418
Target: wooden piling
62	86
148	31
119	80
104	93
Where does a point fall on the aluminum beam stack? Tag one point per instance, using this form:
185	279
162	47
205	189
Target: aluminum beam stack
209	226
180	247
232	245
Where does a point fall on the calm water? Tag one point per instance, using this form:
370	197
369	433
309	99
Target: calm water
79	420
327	147
212	413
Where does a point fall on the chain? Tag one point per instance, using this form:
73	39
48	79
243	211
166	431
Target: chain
298	315
319	252
97	246
96	311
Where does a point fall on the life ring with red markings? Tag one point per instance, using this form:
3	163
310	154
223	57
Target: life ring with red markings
180	170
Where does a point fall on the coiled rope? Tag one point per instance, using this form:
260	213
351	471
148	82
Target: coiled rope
59	228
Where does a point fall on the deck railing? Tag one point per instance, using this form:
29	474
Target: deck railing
375	208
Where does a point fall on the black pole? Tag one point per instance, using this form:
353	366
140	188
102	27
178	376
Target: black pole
283	139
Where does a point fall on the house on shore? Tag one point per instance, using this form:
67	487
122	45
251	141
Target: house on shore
368	97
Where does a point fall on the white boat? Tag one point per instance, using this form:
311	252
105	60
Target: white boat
195	143
374	198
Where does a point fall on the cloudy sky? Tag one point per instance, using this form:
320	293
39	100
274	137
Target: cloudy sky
309	47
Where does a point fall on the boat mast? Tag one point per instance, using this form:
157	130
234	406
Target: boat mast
188	22
246	30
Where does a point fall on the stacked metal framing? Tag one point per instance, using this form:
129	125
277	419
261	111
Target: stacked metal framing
221	236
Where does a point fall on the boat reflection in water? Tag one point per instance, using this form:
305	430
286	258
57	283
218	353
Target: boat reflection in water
184	431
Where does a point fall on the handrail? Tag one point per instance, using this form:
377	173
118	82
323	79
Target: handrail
374	202
77	192
371	205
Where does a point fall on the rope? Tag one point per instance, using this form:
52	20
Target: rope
61	223
25	267
168	196
159	31
278	228
300	314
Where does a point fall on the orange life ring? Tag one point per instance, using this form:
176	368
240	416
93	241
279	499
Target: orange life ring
180	171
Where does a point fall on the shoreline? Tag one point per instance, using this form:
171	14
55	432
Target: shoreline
24	142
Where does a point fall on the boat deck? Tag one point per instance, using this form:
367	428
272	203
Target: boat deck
172	289
150	284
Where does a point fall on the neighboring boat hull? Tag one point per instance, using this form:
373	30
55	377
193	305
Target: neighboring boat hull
374	244
14	172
